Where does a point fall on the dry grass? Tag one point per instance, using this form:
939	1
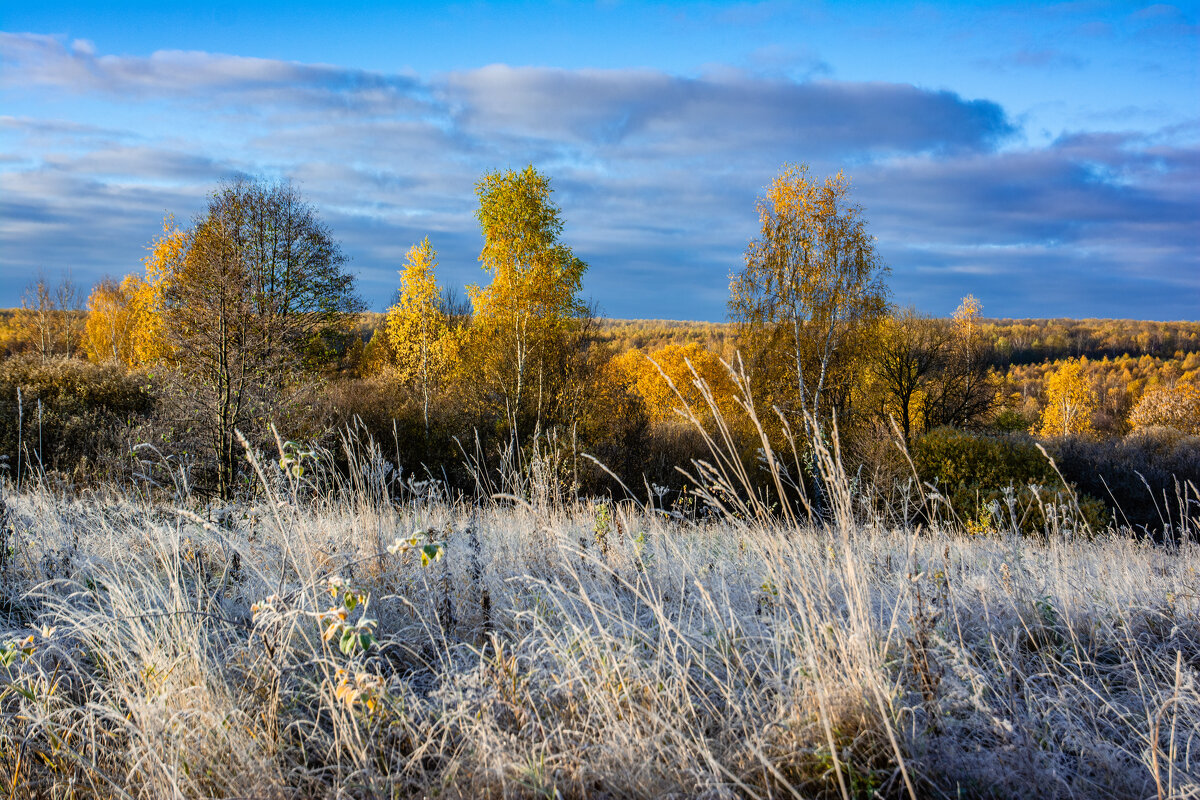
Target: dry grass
587	651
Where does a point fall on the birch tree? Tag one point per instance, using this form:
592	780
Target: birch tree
526	319
417	327
811	286
1070	401
261	278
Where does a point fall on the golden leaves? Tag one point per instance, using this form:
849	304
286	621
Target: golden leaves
416	326
811	286
522	342
966	316
126	321
668	378
1070	401
533	274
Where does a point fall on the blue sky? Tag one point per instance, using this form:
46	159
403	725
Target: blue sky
1045	158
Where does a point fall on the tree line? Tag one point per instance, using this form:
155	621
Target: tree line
246	320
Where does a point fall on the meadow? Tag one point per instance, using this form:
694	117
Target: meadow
356	634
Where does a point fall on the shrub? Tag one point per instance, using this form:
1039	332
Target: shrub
1175	407
390	414
1144	476
993	481
87	411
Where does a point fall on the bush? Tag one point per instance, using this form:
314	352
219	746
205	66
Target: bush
1175	407
382	408
1145	476
87	413
997	481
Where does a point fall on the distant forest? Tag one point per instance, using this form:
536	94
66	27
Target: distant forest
1014	342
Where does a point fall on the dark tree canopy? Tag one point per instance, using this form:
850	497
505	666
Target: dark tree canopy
261	280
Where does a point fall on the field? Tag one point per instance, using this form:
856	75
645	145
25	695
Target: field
328	641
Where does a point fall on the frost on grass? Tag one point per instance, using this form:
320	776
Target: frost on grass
359	649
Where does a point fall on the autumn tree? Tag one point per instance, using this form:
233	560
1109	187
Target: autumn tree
261	277
417	327
910	355
935	373
526	328
1176	406
107	334
125	321
146	293
966	317
36	317
810	292
1070	401
668	379
966	390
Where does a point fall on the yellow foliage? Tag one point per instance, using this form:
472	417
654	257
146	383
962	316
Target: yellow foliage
1070	401
126	321
1120	382
533	276
416	326
524	323
167	253
673	383
107	333
810	293
650	334
910	418
966	316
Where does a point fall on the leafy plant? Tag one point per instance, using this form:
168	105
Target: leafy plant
351	637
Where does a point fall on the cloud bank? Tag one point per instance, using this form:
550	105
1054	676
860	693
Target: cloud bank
657	175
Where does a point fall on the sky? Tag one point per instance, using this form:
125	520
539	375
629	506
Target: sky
1043	157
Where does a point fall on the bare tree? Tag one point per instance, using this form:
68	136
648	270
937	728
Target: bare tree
910	354
966	390
70	299
933	372
51	316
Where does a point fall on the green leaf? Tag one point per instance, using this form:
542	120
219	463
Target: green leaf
430	553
